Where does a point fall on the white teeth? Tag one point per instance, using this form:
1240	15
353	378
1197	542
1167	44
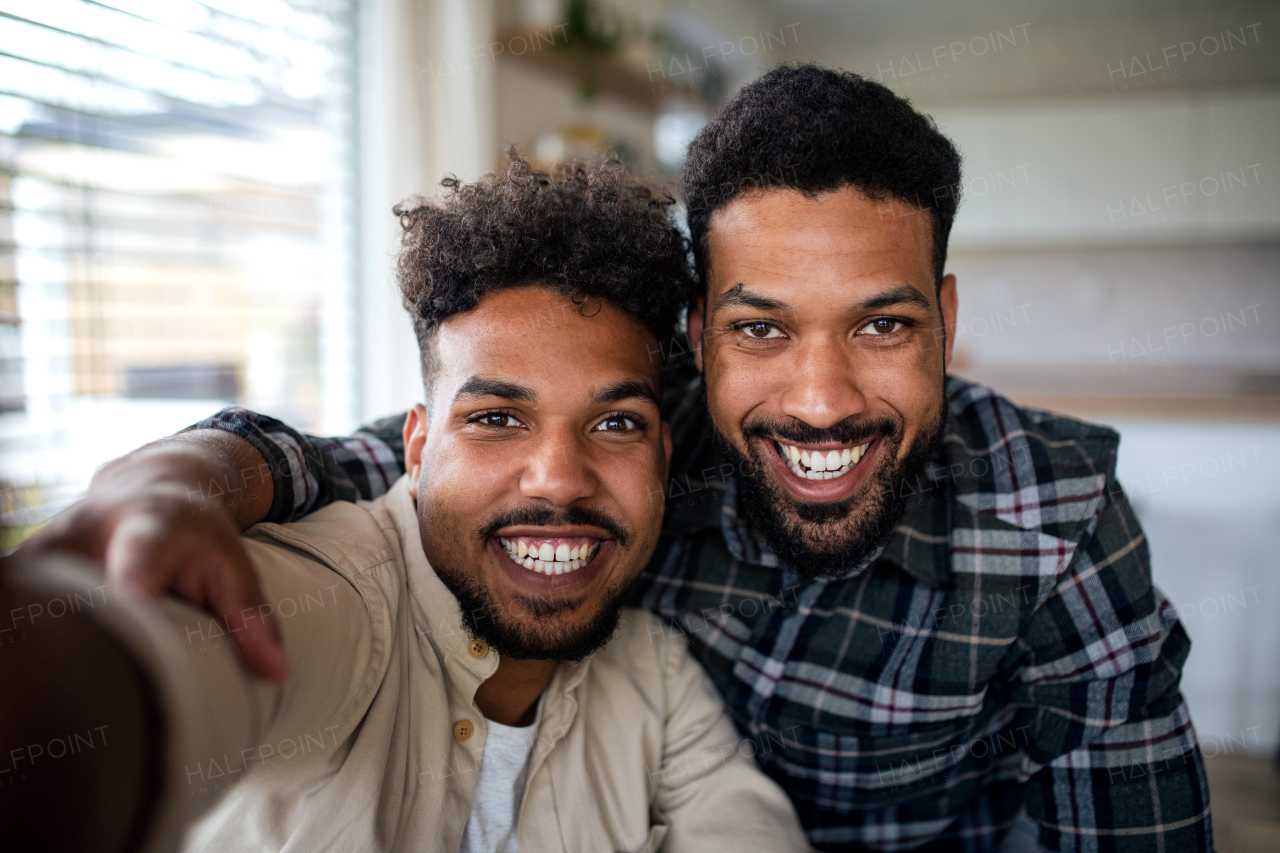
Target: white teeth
543	558
821	465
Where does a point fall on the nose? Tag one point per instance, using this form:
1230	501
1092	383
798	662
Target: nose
822	390
558	469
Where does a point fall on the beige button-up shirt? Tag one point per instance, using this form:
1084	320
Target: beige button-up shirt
375	741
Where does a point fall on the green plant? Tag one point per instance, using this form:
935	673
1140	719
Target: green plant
593	31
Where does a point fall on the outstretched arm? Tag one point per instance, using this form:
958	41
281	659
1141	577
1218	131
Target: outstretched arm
66	677
122	709
167	516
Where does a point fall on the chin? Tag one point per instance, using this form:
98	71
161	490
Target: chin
556	625
833	526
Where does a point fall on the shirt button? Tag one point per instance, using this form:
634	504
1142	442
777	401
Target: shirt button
462	730
478	648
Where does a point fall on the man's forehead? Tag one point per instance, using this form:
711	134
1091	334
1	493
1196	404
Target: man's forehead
784	235
792	216
541	339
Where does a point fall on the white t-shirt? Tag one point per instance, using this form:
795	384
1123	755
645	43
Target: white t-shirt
504	770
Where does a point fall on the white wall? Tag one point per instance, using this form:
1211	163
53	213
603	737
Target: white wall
419	123
1104	170
1208	496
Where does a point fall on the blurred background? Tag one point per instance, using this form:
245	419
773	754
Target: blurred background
195	208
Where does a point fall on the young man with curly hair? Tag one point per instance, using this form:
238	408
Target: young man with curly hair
929	609
462	674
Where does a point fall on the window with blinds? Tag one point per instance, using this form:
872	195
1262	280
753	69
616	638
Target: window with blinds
177	227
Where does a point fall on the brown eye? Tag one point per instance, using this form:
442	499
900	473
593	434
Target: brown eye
496	420
760	330
616	423
882	326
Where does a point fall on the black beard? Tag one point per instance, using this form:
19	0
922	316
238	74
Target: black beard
787	524
483	617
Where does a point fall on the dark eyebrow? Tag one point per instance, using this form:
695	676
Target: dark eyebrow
479	386
738	295
903	293
619	391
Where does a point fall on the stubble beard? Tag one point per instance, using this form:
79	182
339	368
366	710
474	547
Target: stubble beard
834	539
546	636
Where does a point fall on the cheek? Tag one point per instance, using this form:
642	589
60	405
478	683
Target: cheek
634	482
735	389
459	492
471	475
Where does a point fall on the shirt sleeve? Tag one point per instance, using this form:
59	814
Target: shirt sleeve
309	472
1114	759
710	791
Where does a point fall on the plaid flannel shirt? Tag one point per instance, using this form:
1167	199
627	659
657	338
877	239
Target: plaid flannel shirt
1005	650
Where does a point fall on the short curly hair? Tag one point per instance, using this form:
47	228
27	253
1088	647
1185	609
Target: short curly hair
588	231
813	129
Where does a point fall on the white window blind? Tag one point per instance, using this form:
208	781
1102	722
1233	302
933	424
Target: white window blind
177	227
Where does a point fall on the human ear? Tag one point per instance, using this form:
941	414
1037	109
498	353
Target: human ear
666	449
949	301
696	321
415	439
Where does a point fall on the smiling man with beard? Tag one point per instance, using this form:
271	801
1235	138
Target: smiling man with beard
463	676
929	609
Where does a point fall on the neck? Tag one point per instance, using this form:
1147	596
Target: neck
510	695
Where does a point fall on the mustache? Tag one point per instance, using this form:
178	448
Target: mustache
542	516
796	431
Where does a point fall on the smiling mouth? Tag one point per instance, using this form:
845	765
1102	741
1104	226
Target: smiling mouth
825	464
555	556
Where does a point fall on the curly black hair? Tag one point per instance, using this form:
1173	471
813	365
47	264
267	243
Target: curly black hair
588	231
812	129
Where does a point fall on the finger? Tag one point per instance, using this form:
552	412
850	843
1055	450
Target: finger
140	560
80	530
210	571
235	596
